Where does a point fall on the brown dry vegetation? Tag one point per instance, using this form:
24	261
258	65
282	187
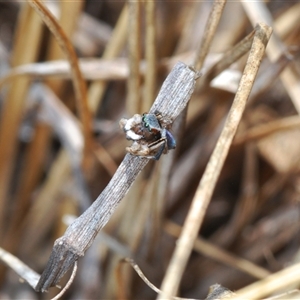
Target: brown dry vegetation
60	144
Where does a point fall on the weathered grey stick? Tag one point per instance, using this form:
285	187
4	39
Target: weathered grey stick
171	100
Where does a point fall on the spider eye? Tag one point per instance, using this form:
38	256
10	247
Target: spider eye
145	123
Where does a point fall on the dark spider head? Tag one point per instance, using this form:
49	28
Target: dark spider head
151	127
151	122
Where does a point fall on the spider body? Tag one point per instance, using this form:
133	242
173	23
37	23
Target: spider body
151	127
150	138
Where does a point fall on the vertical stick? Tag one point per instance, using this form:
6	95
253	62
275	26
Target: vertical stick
257	11
133	96
112	49
26	49
77	79
150	76
210	29
206	186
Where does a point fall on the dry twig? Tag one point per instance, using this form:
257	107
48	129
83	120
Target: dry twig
79	83
173	97
214	166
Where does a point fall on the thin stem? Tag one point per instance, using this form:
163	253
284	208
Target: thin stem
133	96
261	131
229	57
206	186
26	49
275	282
78	82
257	11
150	76
112	49
210	29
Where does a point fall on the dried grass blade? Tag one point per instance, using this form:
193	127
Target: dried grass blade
112	49
273	283
214	252
206	186
258	12
25	51
79	83
134	47
211	27
150	76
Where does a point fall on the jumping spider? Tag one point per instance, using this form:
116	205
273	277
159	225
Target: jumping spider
149	135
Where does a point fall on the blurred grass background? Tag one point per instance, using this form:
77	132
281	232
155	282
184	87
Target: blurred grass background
125	53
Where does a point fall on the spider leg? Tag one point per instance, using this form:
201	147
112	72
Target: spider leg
159	147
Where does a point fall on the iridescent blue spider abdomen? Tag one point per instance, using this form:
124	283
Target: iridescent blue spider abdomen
171	142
